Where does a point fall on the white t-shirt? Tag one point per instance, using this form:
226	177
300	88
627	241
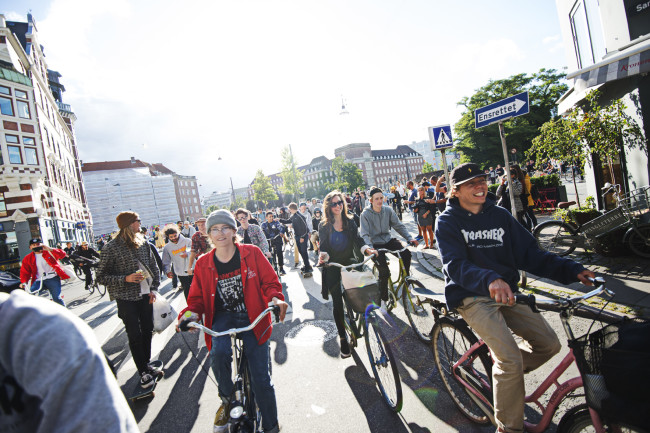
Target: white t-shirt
42	267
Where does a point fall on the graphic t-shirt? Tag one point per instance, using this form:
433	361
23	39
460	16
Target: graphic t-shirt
230	290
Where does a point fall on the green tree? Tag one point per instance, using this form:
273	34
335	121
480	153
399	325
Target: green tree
427	168
263	189
590	130
292	177
483	146
238	203
348	176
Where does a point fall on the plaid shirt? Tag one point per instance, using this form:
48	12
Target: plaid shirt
200	243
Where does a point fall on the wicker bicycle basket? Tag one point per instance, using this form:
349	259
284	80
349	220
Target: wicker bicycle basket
614	363
360	297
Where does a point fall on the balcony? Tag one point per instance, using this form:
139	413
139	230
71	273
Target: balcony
66	108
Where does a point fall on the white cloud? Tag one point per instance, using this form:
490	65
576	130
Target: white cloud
241	80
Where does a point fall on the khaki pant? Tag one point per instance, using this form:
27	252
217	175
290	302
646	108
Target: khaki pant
495	324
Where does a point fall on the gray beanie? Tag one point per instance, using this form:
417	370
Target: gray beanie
221	216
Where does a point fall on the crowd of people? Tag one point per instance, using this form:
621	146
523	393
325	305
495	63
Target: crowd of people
223	264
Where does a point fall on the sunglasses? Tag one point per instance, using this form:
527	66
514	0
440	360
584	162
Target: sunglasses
242	218
336	204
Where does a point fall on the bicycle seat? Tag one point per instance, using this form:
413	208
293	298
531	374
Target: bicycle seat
565	204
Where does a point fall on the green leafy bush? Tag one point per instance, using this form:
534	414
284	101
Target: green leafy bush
547	181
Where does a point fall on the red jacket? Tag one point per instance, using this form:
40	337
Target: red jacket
260	282
28	268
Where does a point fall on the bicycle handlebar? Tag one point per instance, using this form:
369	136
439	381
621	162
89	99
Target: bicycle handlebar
186	324
338	265
384	250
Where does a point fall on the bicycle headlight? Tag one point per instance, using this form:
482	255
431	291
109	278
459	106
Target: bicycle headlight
236	412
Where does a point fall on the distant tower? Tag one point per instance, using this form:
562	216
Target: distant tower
344	124
344	110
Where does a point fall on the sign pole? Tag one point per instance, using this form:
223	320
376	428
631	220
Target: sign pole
444	165
502	133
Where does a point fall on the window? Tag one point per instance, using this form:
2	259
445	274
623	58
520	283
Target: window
30	156
11	139
3	206
14	155
587	30
6	107
23	109
29	141
20	94
5	90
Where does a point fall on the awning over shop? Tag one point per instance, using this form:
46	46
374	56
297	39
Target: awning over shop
631	61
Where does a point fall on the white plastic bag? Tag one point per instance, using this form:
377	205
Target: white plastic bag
163	314
352	279
68	269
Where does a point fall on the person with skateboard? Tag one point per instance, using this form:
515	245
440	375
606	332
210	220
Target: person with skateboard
339	242
376	222
245	284
129	271
301	234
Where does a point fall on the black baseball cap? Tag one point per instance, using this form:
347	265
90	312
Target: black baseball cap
35	241
465	172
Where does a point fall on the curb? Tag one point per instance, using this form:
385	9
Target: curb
428	266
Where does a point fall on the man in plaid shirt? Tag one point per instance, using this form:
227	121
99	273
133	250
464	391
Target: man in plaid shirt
200	244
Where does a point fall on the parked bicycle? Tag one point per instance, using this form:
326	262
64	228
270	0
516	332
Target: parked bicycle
418	310
465	366
631	216
245	416
362	320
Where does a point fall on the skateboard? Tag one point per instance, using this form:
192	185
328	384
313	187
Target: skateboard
140	393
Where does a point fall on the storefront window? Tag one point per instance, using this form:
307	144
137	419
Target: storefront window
8	248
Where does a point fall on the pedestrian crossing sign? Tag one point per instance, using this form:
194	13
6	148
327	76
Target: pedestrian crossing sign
440	137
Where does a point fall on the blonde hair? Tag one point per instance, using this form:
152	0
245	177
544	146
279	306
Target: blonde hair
132	239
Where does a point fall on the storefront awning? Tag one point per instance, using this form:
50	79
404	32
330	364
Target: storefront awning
631	61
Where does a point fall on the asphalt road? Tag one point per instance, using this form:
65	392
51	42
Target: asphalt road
316	390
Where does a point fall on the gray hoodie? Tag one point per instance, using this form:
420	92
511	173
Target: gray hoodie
375	226
53	372
172	255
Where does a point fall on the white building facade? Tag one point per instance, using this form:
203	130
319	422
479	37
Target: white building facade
116	186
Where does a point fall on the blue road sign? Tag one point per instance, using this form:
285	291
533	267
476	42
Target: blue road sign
504	109
440	137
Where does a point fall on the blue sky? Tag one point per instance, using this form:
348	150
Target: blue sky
187	83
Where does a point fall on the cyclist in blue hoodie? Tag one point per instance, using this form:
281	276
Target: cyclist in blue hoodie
482	249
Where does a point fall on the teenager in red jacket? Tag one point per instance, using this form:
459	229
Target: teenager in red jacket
42	265
245	284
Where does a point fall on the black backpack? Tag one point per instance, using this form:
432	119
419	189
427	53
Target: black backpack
534	192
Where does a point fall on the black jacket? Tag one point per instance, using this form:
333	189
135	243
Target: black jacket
298	223
324	234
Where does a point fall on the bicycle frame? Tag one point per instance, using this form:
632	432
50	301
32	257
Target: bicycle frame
562	391
239	403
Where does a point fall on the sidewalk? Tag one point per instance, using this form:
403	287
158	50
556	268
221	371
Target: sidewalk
627	276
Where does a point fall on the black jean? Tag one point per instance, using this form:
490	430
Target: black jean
302	249
88	274
382	266
334	288
186	282
138	323
277	252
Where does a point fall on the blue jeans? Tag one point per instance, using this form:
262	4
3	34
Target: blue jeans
258	365
53	285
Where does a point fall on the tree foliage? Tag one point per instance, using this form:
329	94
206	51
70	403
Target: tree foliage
263	189
483	146
587	130
292	177
348	176
427	168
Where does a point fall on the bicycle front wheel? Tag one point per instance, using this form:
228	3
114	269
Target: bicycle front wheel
80	273
449	343
418	310
639	241
556	237
252	420
383	364
578	420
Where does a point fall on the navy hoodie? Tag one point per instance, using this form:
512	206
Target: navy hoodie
478	249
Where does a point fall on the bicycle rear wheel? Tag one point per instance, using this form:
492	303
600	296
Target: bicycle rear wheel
383	364
639	242
578	420
556	237
80	273
449	343
418	310
252	421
